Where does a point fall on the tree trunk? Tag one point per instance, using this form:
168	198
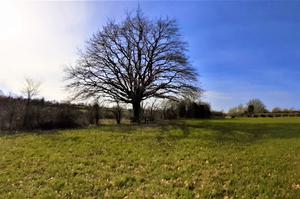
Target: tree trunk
118	114
97	115
136	111
118	118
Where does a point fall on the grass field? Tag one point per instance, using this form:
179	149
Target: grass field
236	158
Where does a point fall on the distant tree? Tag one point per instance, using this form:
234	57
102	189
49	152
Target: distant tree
288	110
258	106
31	88
198	110
277	110
169	109
150	109
250	109
117	111
95	113
134	60
236	111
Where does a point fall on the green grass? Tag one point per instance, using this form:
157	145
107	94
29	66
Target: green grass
237	158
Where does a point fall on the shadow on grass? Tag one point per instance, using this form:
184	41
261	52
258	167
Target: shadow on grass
166	128
32	132
224	132
231	132
121	128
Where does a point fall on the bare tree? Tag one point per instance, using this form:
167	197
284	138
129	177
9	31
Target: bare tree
117	111
152	108
238	110
132	61
31	88
258	106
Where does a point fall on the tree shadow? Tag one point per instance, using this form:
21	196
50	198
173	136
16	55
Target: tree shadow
31	132
230	132
120	128
220	132
246	132
170	126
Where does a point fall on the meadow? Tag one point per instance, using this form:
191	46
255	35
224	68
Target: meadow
232	158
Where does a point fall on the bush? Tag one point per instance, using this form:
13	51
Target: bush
189	109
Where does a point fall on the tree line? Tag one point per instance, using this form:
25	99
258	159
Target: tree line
133	61
21	114
256	108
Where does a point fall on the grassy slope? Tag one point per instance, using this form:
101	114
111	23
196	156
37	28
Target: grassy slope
239	158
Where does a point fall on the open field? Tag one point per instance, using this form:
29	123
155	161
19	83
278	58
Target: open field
237	158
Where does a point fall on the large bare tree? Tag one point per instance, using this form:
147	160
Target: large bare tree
134	60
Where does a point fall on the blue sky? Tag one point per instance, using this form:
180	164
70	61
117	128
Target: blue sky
242	50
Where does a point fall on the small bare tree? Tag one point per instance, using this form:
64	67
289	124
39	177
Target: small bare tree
31	88
117	111
134	60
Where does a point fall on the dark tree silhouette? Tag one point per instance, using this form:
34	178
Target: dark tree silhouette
251	108
31	88
132	61
258	106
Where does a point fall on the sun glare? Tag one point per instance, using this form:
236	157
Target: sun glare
10	20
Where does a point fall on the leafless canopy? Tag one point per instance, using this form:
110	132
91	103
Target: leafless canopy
31	88
133	61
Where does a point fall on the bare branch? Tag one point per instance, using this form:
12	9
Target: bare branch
134	60
31	88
